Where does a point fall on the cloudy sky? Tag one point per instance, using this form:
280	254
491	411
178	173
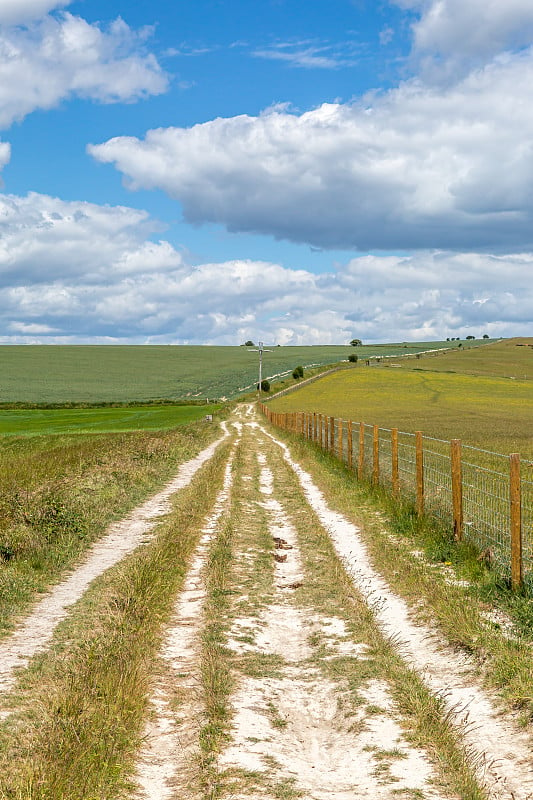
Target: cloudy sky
296	171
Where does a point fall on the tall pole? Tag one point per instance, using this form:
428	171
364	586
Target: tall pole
260	349
260	369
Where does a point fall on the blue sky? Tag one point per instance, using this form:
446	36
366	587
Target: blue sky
294	171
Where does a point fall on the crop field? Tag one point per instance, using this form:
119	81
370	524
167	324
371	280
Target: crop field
90	374
44	421
485	410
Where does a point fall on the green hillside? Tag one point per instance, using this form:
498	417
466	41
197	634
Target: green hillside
76	373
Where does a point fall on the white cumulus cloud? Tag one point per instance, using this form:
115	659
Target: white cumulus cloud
463	32
52	59
415	167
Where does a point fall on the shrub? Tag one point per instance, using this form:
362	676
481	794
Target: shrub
353	358
265	385
298	372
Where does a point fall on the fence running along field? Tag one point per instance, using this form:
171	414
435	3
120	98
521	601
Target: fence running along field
484	497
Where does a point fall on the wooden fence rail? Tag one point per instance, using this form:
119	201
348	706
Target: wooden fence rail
487	502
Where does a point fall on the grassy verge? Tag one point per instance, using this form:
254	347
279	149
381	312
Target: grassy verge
449	586
82	704
58	494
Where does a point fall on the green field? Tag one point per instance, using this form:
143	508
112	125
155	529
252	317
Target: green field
510	358
36	422
484	410
109	373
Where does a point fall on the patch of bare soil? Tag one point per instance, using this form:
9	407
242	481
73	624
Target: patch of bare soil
34	633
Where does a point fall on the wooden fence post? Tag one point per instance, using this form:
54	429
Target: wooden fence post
457	489
419	473
361	462
331	434
516	521
375	459
350	444
341	440
395	471
315	426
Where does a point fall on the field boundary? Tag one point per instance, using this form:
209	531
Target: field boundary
480	496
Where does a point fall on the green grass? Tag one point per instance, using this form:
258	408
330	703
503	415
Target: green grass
44	421
58	494
91	373
485	411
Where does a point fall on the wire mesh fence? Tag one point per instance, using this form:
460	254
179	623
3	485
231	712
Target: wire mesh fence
482	496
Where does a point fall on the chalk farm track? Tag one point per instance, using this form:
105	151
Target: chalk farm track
288	668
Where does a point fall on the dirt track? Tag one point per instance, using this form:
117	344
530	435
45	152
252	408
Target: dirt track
313	712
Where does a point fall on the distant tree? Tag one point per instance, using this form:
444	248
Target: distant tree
298	372
486	336
356	342
470	337
249	343
353	358
265	385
